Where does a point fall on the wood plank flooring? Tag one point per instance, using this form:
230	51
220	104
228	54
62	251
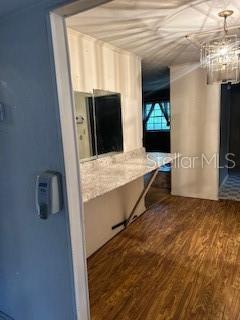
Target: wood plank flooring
158	190
180	260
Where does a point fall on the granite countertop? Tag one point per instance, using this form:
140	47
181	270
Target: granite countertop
104	175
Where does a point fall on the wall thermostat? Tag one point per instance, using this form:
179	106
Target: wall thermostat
48	194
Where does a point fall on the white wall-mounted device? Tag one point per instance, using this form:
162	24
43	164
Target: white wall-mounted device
49	198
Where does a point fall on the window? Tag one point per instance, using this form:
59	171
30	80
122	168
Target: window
157	116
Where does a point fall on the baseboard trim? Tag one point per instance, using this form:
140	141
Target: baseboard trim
195	195
224	180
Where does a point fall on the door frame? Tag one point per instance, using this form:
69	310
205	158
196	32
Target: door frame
70	148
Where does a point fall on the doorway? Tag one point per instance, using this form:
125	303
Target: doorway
86	70
157	127
229	171
84	86
70	149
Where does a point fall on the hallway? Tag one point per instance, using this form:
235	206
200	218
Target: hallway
230	189
180	260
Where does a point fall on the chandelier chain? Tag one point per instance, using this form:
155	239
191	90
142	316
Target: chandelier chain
225	25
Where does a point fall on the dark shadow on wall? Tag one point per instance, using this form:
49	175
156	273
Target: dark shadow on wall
234	138
224	131
3	316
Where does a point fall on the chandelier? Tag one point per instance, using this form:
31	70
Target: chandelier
221	56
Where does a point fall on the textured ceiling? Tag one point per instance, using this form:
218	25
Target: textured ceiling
155	29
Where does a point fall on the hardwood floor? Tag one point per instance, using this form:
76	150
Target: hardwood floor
158	190
180	260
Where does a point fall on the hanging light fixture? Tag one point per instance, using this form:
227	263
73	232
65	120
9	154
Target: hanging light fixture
221	56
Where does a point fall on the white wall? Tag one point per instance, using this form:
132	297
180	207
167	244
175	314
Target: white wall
195	130
98	65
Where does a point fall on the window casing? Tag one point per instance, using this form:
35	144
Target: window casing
157	115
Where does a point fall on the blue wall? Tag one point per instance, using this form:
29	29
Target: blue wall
36	278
